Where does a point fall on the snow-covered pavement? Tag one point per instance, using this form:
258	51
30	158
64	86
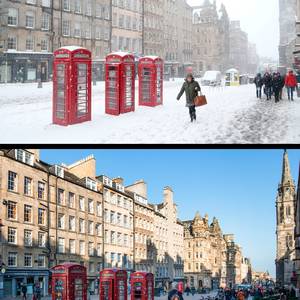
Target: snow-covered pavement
233	115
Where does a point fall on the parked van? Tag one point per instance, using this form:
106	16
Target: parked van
212	78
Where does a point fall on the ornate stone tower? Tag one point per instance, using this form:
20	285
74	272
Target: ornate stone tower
285	215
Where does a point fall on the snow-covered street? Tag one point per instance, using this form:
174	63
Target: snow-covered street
233	115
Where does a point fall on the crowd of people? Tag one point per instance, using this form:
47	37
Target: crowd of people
273	85
177	292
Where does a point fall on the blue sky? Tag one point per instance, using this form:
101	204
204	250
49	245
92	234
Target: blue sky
236	186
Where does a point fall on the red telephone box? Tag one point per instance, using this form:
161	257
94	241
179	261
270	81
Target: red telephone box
72	85
113	284
142	286
69	282
151	71
119	83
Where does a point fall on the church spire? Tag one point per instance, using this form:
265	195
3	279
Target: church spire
286	171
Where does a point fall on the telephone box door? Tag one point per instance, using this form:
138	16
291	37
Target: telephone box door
59	288
79	289
146	85
81	109
127	98
159	84
122	290
60	109
107	290
112	105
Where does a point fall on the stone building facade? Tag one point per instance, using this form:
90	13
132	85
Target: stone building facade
153	27
297	42
185	37
287	29
118	224
32	29
127	26
238	55
178	35
212	260
145	252
211	43
174	233
50	215
285	225
25	40
297	236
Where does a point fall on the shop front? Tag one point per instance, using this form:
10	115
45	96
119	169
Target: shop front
25	67
15	278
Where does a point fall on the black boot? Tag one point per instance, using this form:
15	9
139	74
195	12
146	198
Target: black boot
195	117
192	118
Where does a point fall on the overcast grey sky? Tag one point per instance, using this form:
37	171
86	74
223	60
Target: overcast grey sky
259	18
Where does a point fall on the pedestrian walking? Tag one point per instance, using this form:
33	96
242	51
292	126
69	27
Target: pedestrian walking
258	81
291	84
191	88
277	86
268	85
24	291
37	291
282	86
240	295
174	294
187	290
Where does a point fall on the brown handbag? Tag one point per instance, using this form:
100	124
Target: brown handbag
200	100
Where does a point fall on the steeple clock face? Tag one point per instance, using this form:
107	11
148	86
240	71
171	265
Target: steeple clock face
288	220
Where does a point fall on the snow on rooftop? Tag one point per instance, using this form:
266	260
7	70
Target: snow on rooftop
71	48
151	57
232	71
120	53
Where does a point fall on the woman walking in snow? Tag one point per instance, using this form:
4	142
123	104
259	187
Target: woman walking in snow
191	88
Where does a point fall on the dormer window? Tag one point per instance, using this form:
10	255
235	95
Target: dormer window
107	181
24	156
91	184
119	187
59	171
140	199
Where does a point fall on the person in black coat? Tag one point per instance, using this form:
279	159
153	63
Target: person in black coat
277	86
282	86
268	85
258	81
174	294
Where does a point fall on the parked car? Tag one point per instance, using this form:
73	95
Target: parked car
212	78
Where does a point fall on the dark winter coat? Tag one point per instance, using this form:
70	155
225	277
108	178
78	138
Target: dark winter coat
191	90
174	292
268	81
277	83
258	81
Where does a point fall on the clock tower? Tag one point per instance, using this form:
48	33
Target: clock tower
285	225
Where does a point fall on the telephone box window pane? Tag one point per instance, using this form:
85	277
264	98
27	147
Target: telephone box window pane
82	90
121	290
60	96
112	87
78	289
146	79
159	85
128	86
